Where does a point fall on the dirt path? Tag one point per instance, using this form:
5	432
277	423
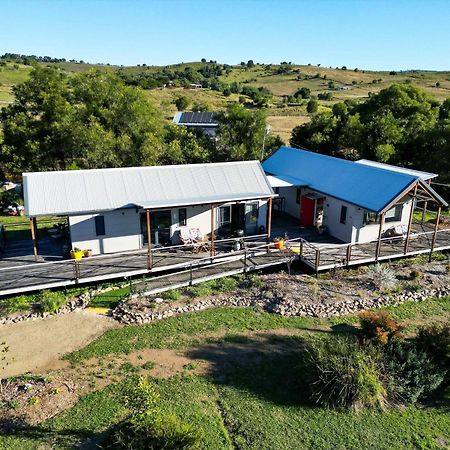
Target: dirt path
36	345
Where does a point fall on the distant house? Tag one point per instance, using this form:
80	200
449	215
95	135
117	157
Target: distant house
194	86
343	88
355	201
115	210
202	120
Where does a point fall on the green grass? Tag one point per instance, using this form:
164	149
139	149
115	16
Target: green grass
18	228
249	398
249	406
186	330
110	299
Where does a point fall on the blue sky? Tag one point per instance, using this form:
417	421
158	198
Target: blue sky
370	34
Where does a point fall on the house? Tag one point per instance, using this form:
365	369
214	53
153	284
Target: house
201	120
343	88
354	201
115	210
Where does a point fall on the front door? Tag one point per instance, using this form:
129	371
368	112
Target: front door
160	223
307	207
251	218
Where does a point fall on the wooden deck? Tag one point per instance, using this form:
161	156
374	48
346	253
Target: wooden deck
179	266
320	255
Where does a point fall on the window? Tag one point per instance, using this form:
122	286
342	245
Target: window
298	195
343	218
370	217
224	215
394	214
100	225
182	217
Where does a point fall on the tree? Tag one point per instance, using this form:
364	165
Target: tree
203	60
250	63
91	119
182	103
303	92
241	133
400	125
312	106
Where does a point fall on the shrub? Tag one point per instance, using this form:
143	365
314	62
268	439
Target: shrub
15	304
378	327
435	341
199	290
344	374
251	281
147	428
173	295
50	301
382	277
415	274
223	285
410	373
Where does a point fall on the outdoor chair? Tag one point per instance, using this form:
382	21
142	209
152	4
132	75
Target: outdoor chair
195	238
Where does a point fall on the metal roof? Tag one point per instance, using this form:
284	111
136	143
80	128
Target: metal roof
369	187
195	118
415	173
87	191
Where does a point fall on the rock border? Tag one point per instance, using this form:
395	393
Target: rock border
128	316
74	304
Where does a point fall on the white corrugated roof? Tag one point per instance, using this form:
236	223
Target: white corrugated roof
415	173
87	191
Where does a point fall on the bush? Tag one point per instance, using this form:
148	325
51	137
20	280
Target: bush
173	295
344	374
199	290
50	301
15	304
382	277
147	428
378	327
410	373
223	285
435	341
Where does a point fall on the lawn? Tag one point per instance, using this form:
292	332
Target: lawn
18	227
251	396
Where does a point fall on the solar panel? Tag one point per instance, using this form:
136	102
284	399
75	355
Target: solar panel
201	117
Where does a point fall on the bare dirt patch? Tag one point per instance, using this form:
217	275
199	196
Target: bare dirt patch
38	345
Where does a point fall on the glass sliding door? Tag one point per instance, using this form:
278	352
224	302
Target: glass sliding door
251	213
160	223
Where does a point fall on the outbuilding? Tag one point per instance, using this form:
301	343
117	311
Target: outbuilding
120	209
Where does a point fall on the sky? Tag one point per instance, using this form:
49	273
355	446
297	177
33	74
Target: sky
368	34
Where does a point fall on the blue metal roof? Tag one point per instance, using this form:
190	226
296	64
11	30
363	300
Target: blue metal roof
369	187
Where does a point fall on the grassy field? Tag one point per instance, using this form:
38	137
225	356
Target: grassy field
251	396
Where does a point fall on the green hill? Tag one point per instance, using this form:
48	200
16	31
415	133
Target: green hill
283	81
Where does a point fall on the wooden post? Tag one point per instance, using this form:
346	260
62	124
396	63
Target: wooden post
212	250
269	221
301	248
424	212
349	253
436	225
317	260
380	232
413	205
33	237
149	241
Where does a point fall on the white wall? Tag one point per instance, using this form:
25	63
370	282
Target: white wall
367	233
291	206
332	218
122	228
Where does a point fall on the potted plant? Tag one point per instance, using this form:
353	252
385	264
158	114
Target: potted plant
87	252
279	243
76	253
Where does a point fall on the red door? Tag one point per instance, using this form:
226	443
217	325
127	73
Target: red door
307	207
